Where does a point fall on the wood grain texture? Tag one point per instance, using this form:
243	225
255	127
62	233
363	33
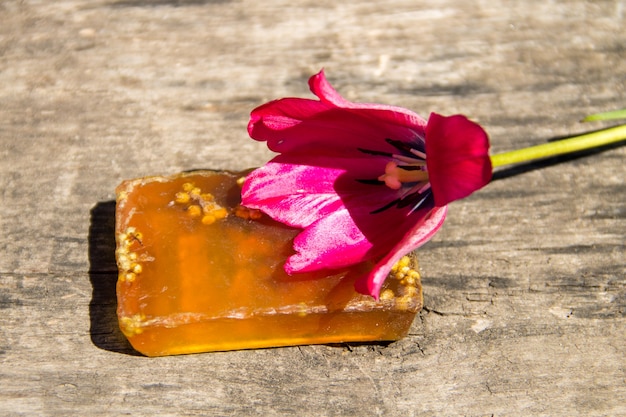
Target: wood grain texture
524	287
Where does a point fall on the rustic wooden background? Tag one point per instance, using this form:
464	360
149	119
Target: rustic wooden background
524	287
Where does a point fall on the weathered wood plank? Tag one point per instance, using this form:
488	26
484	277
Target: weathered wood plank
525	286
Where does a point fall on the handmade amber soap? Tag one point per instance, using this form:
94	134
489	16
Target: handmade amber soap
199	273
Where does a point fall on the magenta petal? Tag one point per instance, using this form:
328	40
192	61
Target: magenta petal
421	233
267	122
298	189
332	242
457	156
292	124
285	199
320	86
286	111
335	130
391	114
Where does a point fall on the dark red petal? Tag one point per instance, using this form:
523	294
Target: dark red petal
333	123
421	232
457	156
333	131
390	114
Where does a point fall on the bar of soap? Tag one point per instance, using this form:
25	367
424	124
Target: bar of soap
200	273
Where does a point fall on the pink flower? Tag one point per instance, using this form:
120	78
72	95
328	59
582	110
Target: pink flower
356	178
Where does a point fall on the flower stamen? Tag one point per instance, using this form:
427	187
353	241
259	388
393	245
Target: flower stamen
410	160
395	175
419	154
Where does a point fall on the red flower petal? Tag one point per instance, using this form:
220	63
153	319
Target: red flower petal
335	124
457	157
296	195
421	233
391	114
334	241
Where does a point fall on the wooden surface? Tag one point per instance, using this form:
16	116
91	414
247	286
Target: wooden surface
524	287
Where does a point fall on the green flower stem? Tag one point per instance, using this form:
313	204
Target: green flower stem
561	147
609	115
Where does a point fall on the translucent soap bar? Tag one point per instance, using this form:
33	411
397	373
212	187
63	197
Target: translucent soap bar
199	273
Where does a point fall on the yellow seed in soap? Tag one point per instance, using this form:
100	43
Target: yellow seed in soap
122	195
302	309
188	186
387	294
208	219
403	302
182	198
194	211
220	213
131	326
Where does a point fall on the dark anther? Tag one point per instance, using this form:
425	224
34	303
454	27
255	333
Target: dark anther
401	146
386	206
371	182
414	200
406	147
373	152
410	167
